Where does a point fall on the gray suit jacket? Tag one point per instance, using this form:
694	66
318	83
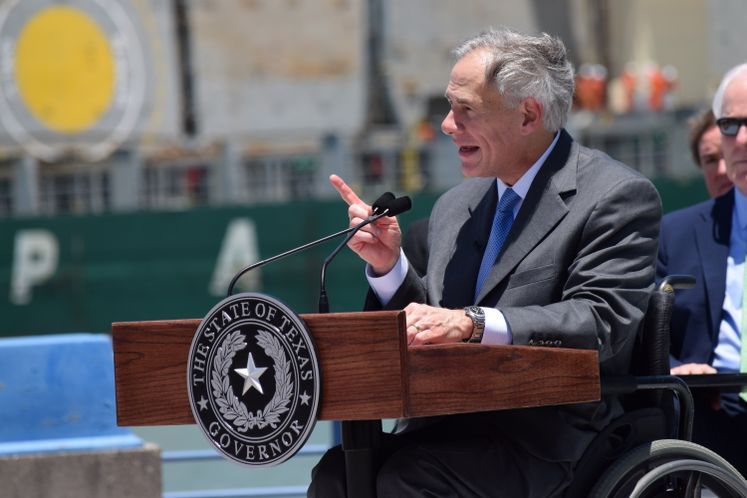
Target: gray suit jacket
576	271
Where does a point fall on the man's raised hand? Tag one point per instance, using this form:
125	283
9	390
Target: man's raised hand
378	244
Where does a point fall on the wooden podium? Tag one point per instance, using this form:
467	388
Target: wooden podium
367	371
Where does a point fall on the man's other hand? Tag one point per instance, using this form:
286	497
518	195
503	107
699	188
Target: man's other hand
693	369
429	325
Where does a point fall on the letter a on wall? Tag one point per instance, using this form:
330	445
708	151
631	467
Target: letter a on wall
238	250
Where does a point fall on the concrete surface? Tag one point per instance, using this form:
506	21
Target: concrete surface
122	473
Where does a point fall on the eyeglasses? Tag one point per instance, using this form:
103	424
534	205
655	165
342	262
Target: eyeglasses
730	126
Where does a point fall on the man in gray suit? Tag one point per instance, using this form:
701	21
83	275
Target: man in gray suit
568	262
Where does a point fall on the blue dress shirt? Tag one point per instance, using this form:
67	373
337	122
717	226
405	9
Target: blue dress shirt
727	354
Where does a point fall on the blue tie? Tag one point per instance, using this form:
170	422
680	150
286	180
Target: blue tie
504	218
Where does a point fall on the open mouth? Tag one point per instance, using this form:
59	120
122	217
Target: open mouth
468	149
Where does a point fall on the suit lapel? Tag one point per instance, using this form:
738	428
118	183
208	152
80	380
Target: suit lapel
712	238
540	212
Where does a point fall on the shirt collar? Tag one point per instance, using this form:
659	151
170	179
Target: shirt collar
521	187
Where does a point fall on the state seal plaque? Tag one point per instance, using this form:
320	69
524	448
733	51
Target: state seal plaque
253	380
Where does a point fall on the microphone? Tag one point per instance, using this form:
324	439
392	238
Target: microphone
397	206
382	202
383	206
389	206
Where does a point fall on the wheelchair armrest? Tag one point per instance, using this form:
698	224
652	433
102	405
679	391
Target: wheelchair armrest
671	282
627	384
725	381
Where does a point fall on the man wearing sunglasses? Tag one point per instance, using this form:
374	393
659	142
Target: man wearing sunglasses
709	241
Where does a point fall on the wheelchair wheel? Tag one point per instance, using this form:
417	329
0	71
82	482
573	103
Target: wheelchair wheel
698	474
666	469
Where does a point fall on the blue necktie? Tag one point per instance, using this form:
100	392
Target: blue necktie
504	218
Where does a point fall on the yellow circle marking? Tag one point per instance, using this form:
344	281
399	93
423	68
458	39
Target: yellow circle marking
65	69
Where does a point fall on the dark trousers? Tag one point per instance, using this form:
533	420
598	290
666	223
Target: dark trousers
424	464
723	431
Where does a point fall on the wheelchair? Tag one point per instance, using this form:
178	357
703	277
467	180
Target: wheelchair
647	452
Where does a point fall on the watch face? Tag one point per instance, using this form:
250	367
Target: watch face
474	310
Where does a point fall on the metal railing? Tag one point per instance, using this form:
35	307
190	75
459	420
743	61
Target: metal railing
183	456
285	491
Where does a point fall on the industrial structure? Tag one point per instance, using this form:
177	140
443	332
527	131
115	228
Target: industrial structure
151	148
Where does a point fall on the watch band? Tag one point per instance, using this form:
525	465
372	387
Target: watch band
477	315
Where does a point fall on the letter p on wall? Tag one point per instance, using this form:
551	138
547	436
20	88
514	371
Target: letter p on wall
35	257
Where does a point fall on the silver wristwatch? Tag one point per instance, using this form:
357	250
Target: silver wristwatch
477	315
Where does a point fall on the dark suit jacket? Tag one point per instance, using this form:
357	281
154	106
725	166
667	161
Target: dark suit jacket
415	245
695	241
576	271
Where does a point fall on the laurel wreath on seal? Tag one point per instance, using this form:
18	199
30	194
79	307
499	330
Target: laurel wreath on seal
230	406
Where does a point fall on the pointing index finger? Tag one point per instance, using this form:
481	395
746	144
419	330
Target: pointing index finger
345	191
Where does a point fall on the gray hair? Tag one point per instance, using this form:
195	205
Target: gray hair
522	66
718	97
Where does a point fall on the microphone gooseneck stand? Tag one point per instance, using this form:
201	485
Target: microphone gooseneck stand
388	207
381	209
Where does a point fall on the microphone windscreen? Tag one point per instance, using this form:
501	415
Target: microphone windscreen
382	202
399	205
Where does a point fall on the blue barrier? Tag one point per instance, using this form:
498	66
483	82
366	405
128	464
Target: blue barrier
57	394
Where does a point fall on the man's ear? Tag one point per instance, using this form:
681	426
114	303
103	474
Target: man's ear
532	111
